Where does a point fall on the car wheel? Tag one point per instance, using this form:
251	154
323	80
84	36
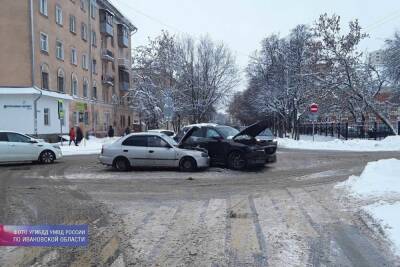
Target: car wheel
236	161
47	157
187	165
122	164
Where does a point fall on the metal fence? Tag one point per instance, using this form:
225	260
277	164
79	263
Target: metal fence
348	130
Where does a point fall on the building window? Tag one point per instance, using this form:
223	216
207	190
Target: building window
72	24
85	64
85	87
44	42
83	5
84	31
61	81
45	76
59	50
46	116
94	39
59	15
94	93
74	85
43	7
74	57
86	118
94	66
93	9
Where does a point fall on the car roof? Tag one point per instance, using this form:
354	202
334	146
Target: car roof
159	130
201	125
146	133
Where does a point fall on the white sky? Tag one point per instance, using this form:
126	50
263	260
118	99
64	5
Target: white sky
242	24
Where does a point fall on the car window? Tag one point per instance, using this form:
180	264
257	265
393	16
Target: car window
198	133
211	133
170	140
227	132
135	141
155	141
3	137
18	138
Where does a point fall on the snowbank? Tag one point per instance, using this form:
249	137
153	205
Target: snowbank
391	143
86	147
378	178
380	181
388	216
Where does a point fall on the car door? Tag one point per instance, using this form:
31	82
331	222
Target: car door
21	148
4	153
136	150
214	143
162	154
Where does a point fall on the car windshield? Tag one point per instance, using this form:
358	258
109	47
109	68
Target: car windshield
227	132
266	132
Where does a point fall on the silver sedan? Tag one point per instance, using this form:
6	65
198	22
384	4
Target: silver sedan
151	150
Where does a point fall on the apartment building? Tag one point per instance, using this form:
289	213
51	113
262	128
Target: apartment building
73	54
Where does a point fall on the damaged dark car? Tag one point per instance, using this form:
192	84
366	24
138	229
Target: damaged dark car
229	147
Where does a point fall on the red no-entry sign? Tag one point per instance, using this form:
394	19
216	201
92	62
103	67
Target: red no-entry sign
314	108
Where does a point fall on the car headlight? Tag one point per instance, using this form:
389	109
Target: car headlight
57	147
204	155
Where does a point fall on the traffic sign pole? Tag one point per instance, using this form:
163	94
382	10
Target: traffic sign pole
314	111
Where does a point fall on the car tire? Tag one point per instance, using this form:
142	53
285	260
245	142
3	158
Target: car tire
121	164
47	157
187	165
236	161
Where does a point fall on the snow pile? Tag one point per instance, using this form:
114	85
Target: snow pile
86	147
391	143
380	180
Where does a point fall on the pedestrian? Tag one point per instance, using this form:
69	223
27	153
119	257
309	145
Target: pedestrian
110	131
79	135
127	130
72	136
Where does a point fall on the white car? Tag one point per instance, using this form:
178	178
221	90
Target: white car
17	147
151	149
166	132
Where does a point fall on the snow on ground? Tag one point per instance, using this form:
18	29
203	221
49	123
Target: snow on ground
391	143
86	147
380	180
388	216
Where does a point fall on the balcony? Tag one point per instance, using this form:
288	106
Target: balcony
107	79
106	23
124	85
124	78
124	63
107	55
123	36
106	29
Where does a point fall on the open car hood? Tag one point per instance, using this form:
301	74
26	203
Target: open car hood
253	130
187	135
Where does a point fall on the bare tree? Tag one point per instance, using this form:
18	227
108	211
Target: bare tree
347	74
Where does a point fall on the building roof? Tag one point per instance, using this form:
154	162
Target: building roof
32	91
105	4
